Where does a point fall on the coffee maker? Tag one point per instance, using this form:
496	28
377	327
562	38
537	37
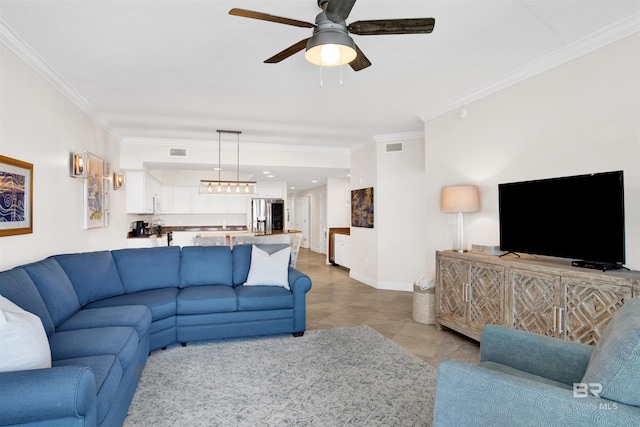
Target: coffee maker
140	228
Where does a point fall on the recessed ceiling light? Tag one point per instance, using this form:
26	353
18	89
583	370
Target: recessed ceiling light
266	172
292	188
217	169
314	181
269	176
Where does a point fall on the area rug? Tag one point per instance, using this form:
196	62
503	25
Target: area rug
334	377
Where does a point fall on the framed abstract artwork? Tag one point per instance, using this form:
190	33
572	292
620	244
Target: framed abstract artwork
362	208
16	197
93	197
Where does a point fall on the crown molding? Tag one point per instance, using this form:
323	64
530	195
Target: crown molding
26	53
253	146
397	137
606	36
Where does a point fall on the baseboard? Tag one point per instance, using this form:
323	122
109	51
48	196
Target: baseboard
387	286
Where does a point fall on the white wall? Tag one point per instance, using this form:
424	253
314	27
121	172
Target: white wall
400	210
364	241
580	117
338	202
39	125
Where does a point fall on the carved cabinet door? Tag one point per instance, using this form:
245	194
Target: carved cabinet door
589	306
452	279
534	301
485	295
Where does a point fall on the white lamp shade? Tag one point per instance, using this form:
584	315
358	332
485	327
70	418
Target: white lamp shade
460	198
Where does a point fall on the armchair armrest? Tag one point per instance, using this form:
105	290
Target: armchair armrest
64	395
298	281
469	395
300	284
552	358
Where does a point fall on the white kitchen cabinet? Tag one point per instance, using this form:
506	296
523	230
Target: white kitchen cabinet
342	250
147	242
187	199
181	199
167	206
268	191
143	193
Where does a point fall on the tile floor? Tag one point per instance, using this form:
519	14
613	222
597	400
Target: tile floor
336	300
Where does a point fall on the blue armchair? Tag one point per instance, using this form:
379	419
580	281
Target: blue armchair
525	379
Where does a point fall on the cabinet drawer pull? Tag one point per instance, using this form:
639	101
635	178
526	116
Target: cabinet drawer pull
560	310
555	318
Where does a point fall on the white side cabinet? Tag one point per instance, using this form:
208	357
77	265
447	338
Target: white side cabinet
342	250
143	193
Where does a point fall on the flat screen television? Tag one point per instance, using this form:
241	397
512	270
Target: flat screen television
579	217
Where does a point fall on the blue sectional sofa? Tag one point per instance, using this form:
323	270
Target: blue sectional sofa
104	312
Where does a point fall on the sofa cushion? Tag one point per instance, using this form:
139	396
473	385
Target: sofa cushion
206	299
93	274
615	361
23	341
56	289
242	259
263	298
269	269
148	268
161	302
108	374
205	265
135	316
121	341
16	285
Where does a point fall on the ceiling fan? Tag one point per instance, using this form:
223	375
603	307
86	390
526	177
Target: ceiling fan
330	43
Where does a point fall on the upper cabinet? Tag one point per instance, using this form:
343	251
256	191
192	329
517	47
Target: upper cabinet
187	199
143	193
269	190
146	195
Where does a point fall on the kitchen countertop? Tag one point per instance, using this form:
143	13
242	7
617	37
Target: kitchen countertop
218	230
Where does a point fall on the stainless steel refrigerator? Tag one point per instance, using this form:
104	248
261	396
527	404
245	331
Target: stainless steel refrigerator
267	215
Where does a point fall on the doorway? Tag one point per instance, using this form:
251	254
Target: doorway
302	219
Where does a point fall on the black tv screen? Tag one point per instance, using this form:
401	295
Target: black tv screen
578	217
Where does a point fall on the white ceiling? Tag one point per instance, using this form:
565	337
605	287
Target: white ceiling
182	69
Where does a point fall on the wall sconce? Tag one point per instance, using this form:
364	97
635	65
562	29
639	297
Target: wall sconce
118	180
79	164
459	200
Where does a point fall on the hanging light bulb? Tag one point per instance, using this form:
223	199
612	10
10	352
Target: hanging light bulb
219	188
228	188
237	188
209	188
246	188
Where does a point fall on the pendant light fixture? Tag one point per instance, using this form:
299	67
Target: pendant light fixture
237	187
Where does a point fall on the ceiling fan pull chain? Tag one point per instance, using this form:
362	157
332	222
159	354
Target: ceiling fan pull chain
341	67
320	77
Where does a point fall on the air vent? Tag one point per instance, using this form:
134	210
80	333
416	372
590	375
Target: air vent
394	147
181	152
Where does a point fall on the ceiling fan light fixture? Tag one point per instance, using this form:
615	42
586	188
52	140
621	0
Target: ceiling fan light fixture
330	47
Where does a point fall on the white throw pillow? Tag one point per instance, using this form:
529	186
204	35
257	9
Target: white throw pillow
23	341
269	269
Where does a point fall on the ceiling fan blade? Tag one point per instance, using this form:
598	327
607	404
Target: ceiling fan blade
392	26
361	62
287	52
271	18
338	10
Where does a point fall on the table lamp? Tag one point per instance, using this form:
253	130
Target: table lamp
460	199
